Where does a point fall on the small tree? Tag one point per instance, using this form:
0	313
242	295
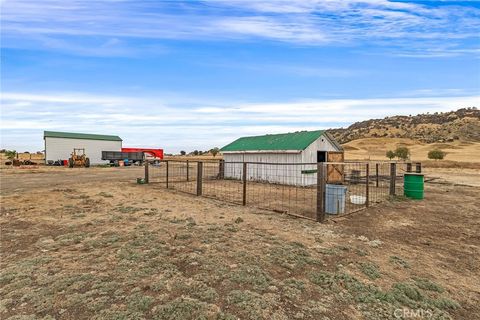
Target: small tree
10	154
195	152
390	154
183	153
436	154
402	153
214	151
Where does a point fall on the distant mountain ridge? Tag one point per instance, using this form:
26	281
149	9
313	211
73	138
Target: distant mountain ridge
462	124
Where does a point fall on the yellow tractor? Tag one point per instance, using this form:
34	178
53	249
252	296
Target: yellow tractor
79	159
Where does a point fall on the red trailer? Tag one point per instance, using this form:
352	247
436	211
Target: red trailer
157	153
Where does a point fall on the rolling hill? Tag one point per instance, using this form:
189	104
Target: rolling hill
439	127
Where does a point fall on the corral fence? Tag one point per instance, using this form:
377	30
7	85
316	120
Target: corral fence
308	190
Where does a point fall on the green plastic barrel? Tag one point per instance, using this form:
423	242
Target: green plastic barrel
413	185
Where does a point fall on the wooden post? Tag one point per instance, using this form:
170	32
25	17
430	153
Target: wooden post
418	168
166	179
367	182
376	174
199	177
409	167
320	215
188	171
244	178
146	172
221	169
393	177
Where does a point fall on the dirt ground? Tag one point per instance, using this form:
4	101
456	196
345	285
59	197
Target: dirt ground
467	177
91	243
22	179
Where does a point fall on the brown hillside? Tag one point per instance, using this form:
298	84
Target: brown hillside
438	127
375	148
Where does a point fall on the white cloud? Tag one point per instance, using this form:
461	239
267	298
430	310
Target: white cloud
106	27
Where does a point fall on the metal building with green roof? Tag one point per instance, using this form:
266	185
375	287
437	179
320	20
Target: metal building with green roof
59	145
303	149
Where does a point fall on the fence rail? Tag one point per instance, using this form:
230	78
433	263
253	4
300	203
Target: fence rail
309	190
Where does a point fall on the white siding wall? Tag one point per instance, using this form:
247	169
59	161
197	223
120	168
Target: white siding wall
309	155
61	148
283	174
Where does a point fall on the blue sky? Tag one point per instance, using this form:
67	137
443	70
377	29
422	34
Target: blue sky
187	75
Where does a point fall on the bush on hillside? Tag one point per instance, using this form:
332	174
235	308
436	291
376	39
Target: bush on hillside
436	154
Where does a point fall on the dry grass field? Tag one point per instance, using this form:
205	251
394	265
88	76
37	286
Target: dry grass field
375	149
90	243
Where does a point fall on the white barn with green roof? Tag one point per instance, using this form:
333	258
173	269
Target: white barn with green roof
298	152
59	145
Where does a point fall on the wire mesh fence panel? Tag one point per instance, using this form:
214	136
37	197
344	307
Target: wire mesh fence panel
157	172
379	182
356	182
223	181
282	187
182	176
171	174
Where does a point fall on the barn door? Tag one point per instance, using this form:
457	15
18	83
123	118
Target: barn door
335	172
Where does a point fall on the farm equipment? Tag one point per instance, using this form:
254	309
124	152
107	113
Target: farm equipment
156	153
128	158
79	159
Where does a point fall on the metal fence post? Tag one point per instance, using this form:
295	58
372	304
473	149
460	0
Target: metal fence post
393	177
418	168
167	176
146	172
244	178
376	174
221	169
409	167
320	214
188	171
199	177
367	182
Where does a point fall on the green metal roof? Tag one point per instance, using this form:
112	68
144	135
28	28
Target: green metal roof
73	135
273	142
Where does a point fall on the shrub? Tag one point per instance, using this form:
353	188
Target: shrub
436	154
10	154
399	262
390	154
214	151
370	270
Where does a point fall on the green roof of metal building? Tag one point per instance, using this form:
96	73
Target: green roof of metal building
275	142
73	135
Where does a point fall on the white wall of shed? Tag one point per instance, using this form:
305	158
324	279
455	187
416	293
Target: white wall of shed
61	148
309	155
273	168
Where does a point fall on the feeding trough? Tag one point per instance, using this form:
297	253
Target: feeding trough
356	199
